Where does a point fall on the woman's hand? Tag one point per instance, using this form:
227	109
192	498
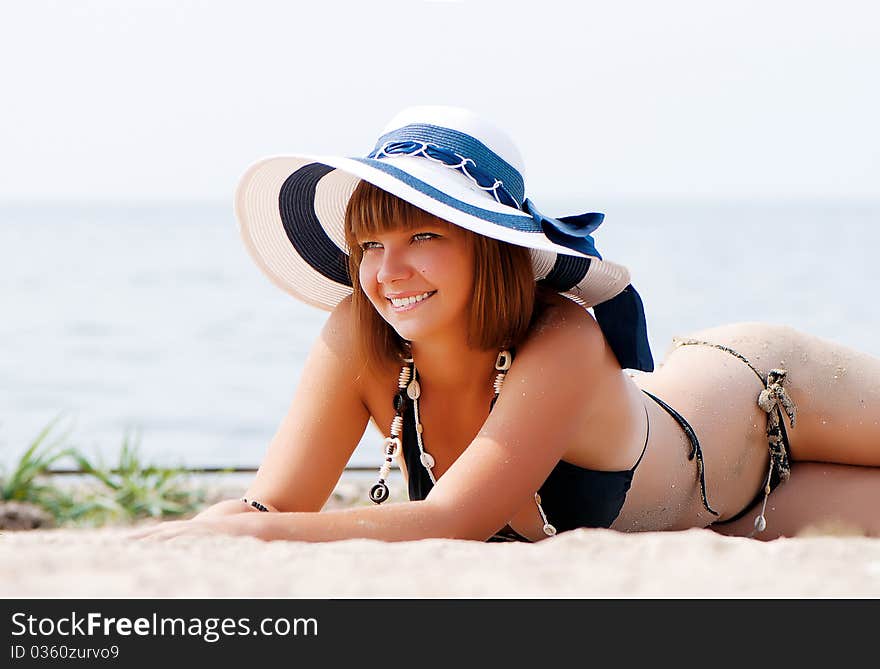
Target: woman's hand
187	528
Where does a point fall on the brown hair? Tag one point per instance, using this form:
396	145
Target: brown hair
504	281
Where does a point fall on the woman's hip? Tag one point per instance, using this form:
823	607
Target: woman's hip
717	395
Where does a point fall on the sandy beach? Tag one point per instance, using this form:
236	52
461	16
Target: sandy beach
588	563
826	562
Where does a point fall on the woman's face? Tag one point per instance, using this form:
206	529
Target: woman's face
420	279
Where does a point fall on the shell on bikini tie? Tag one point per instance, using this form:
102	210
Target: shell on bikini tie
427	460
775	392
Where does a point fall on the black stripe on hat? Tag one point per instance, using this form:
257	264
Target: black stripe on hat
296	204
567	272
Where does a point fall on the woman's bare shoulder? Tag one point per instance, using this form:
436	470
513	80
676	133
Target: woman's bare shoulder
338	330
566	344
564	320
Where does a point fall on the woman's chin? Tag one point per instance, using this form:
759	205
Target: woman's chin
409	333
413	331
421	323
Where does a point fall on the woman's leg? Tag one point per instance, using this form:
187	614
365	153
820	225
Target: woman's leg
819	498
836	390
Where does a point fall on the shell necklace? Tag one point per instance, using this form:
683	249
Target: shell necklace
408	387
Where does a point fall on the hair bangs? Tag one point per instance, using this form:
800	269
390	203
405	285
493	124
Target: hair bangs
372	210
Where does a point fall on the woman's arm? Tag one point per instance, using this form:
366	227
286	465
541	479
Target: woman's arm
223	508
405	521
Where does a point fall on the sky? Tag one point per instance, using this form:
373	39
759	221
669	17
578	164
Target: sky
159	101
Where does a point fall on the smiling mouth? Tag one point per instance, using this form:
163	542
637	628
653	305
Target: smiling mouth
407	303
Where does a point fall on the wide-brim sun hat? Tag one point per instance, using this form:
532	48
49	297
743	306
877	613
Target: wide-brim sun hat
453	164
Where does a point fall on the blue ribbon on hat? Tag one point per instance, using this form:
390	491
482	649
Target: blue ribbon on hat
622	318
483	179
572	232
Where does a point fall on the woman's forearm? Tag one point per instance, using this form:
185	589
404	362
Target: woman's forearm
405	521
224	508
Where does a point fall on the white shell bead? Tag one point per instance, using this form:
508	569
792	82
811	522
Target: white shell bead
413	390
502	362
403	379
427	460
396	425
391	446
760	523
549	530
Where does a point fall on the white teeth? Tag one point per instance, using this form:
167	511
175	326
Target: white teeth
402	302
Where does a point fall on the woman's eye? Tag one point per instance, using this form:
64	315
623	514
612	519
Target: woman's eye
419	237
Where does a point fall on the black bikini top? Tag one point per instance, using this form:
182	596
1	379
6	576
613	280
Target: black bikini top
571	496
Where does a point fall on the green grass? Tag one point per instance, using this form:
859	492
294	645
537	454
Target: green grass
126	491
27	482
132	489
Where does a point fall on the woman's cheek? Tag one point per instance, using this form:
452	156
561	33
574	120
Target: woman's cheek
367	278
369	285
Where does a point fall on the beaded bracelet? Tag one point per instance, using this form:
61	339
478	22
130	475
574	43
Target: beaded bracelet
254	503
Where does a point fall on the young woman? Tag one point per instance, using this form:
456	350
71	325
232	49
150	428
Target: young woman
459	326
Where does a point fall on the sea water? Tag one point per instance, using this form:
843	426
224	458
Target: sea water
151	319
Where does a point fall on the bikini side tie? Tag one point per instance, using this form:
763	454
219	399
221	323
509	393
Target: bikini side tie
775	397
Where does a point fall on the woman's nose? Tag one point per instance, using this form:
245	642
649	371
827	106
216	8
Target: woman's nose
394	266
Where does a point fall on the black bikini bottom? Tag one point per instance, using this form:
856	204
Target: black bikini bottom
696	451
774	400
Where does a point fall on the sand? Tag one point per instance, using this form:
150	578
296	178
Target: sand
589	563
